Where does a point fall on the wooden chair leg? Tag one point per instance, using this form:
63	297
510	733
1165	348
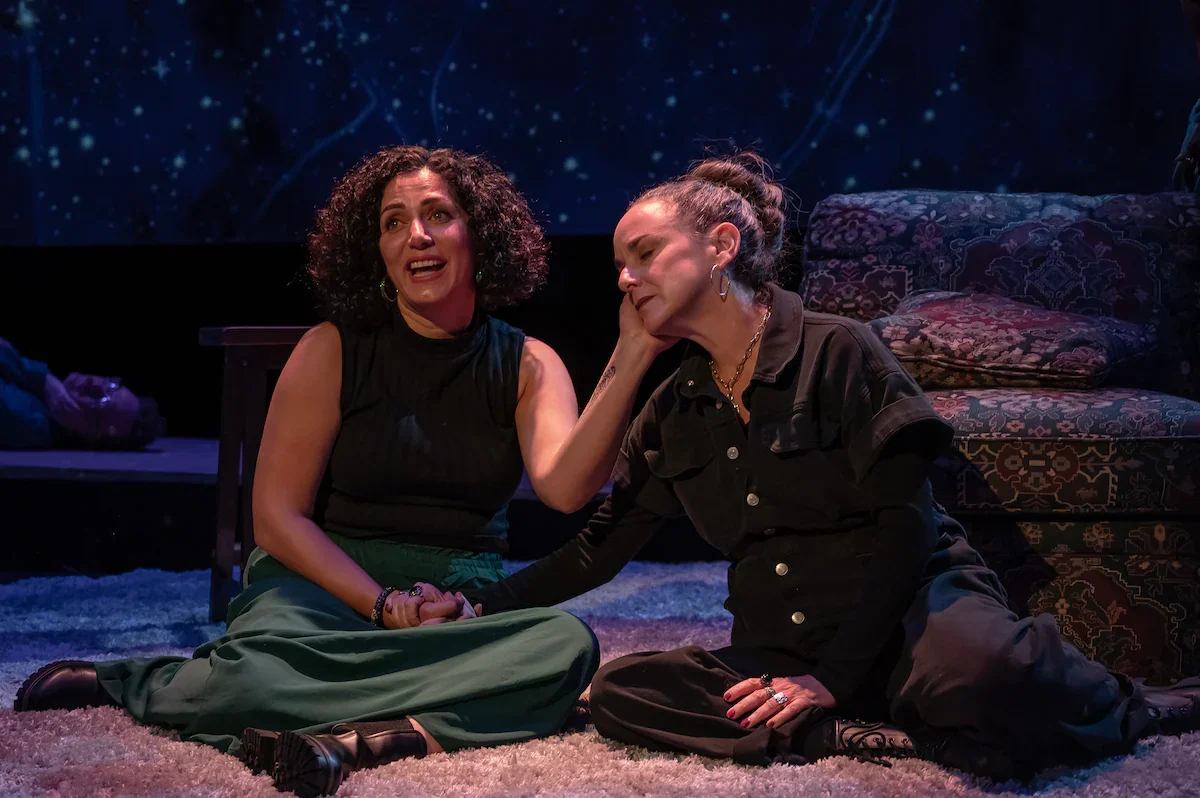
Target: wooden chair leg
224	585
256	417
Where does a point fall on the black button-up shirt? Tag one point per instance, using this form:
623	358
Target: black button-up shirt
821	501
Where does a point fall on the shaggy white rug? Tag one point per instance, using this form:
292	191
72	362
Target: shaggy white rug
101	752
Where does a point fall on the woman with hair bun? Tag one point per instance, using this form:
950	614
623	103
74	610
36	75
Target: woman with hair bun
864	623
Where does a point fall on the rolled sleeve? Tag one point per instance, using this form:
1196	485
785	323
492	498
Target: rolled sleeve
882	407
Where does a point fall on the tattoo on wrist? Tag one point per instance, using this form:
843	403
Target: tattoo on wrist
606	378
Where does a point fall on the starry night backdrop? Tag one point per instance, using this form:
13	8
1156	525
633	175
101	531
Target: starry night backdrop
226	121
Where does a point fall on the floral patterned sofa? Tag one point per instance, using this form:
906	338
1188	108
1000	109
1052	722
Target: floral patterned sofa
1087	502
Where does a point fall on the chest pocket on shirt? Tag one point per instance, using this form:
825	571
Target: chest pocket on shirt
678	460
810	469
705	489
687	466
800	432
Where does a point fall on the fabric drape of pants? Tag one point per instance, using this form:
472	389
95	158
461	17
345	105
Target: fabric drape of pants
961	661
296	657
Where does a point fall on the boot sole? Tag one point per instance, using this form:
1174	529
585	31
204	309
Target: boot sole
19	703
303	766
258	750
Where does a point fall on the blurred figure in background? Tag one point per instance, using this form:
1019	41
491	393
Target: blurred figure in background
82	411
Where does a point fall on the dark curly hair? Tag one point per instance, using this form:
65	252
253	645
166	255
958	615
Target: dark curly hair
739	189
344	263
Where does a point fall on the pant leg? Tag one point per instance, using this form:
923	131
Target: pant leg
513	677
674	701
296	657
970	664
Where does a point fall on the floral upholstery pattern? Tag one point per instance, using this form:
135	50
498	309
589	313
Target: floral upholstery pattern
949	339
1127	413
1047	451
1129	257
1125	593
1085	502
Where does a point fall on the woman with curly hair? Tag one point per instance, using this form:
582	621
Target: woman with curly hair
396	436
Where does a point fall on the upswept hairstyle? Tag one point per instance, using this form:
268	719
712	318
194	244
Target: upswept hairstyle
738	189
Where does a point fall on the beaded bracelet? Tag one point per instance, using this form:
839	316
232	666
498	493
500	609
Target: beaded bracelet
377	612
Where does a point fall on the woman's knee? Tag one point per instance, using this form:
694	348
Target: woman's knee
993	665
631	674
572	637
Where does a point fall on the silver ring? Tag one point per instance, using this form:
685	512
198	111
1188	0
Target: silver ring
765	680
770	692
781	698
416	590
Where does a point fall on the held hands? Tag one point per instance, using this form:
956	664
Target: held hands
634	331
803	693
404	611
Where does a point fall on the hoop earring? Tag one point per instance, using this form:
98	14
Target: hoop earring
720	293
383	290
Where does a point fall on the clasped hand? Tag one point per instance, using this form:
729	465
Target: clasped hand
404	611
803	693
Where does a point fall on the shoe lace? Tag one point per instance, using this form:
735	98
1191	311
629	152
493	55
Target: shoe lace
867	742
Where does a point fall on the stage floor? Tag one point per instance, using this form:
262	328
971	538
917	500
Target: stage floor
649	606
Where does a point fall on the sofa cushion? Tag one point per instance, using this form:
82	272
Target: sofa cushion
1123	592
1129	257
1040	450
948	339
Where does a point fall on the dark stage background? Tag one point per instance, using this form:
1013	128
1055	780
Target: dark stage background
226	120
161	162
134	311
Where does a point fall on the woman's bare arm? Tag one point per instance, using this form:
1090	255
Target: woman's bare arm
302	423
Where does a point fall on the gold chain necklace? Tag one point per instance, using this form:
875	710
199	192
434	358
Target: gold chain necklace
727	387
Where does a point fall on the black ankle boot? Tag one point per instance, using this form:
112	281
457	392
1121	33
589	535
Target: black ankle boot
875	741
258	749
317	764
1175	709
67	684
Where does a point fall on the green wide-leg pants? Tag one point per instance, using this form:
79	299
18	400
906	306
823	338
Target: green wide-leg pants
296	657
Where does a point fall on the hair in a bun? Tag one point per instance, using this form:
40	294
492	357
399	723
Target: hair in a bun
738	189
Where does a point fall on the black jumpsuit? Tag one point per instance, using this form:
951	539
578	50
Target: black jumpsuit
843	566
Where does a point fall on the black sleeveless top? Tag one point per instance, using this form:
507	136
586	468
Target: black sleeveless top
427	451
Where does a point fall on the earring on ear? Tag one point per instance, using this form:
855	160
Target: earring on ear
720	293
478	276
383	291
